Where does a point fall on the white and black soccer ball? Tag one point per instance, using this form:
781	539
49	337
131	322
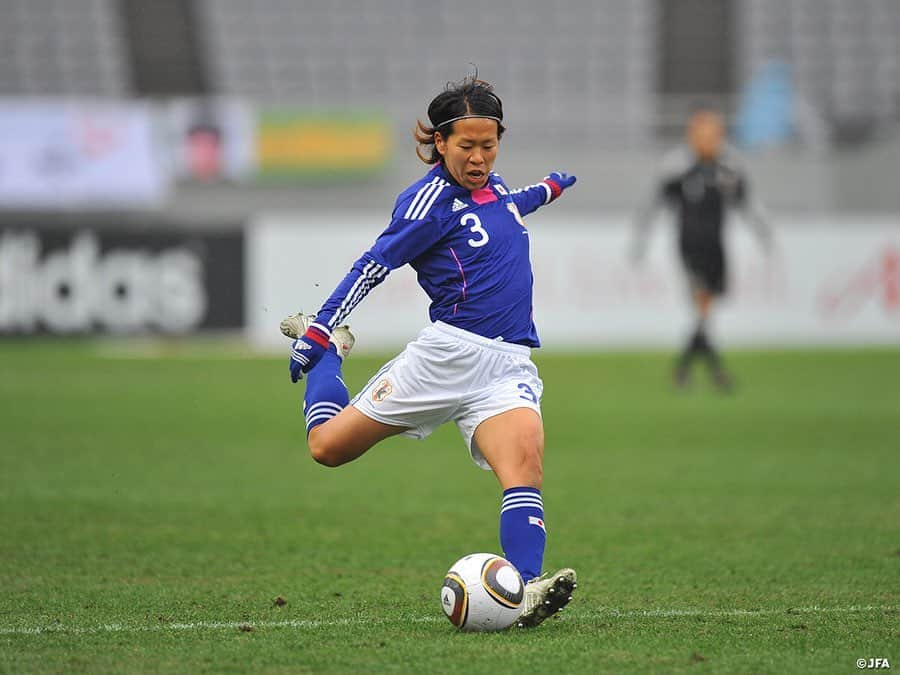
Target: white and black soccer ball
482	592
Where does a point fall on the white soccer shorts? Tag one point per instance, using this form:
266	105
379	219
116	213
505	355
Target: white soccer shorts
445	374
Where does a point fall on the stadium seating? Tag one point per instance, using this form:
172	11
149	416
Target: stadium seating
585	72
69	47
845	54
580	80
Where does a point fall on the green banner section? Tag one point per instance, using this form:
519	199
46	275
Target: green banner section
320	146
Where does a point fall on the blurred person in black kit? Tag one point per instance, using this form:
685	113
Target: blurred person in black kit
700	182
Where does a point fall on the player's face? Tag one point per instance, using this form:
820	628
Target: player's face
706	132
469	152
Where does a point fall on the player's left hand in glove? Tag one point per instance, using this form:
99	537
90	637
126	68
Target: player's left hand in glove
557	182
306	351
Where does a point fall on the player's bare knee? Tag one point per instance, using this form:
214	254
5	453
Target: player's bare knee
322	449
326	457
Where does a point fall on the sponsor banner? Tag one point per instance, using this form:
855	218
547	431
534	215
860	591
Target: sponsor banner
323	146
807	291
828	282
63	154
106	278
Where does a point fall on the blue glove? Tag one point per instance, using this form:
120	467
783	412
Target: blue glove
557	182
306	351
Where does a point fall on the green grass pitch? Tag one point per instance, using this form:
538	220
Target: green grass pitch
153	508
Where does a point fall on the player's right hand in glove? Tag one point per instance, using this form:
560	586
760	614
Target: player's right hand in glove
306	351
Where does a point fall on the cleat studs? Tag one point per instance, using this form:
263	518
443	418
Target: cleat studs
570	599
574	585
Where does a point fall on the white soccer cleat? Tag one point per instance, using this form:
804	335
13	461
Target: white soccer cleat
547	595
296	324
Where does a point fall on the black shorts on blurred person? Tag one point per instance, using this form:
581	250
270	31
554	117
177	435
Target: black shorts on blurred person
704	265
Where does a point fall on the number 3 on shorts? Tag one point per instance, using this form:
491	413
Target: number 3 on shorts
476	228
527	393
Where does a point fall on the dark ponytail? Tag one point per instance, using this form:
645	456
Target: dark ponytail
470	97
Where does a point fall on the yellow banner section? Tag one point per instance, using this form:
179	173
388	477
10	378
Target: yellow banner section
321	145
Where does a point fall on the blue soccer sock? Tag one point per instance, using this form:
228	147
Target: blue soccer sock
522	531
326	393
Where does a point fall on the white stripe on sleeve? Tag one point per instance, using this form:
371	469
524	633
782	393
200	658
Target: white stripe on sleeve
427	188
423	209
360	279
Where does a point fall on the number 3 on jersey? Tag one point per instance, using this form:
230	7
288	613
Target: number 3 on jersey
475	229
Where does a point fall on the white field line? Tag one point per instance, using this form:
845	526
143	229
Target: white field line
311	624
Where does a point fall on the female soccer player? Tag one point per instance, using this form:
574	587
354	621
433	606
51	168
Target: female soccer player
460	227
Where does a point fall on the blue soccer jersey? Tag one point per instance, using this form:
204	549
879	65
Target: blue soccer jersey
470	250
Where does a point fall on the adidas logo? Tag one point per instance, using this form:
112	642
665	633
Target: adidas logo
459	205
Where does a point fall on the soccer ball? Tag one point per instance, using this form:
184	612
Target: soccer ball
482	592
